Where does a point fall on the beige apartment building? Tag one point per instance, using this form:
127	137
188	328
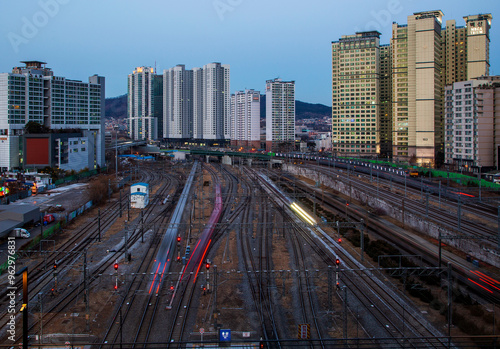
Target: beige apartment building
425	59
356	95
417	88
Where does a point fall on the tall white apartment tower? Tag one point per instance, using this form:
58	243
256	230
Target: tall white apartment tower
33	94
144	87
178	103
245	116
280	115
211	102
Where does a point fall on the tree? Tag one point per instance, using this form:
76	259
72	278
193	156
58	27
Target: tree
34	127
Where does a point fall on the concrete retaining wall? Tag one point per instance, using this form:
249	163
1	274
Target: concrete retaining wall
482	251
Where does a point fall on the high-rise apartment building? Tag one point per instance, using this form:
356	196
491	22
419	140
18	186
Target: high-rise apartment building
33	94
280	115
178	103
356	94
144	108
478	45
245	119
385	101
211	102
197	103
466	49
472	121
417	86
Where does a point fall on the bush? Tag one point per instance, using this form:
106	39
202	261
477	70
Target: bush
98	191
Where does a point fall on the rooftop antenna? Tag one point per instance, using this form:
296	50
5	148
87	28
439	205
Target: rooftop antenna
155	66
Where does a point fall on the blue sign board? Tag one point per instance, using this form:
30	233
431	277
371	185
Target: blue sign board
224	335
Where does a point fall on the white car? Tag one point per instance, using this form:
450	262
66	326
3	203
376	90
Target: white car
21	233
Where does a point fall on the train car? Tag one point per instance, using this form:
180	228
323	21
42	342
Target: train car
414	173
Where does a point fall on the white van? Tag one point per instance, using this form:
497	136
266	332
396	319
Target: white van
21	233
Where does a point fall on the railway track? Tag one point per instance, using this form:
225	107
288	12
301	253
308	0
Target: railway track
446	217
259	287
60	302
377	298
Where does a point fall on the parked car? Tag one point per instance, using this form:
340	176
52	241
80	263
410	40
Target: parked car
49	218
21	233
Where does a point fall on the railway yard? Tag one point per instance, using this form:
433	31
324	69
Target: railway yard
296	254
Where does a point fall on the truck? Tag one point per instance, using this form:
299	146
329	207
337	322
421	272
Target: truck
20	233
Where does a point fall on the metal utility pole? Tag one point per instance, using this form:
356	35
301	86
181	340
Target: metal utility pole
126	239
99	223
120	202
215	296
450	313
362	241
86	293
40	304
142	226
330	288
24	308
405	185
345	312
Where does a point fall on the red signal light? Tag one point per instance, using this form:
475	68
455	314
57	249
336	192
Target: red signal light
208	266
337	261
340	240
178	239
116	287
171	287
116	266
55	265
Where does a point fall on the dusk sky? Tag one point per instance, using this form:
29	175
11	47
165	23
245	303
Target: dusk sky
259	39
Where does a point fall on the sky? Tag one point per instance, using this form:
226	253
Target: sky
259	39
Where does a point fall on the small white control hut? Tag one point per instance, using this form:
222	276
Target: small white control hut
139	195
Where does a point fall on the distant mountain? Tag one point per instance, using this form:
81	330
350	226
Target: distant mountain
303	110
117	108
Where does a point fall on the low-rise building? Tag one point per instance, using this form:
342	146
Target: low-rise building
139	195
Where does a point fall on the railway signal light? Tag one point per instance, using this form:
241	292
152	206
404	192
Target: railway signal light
55	265
337	261
115	287
116	265
171	287
178	239
207	266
